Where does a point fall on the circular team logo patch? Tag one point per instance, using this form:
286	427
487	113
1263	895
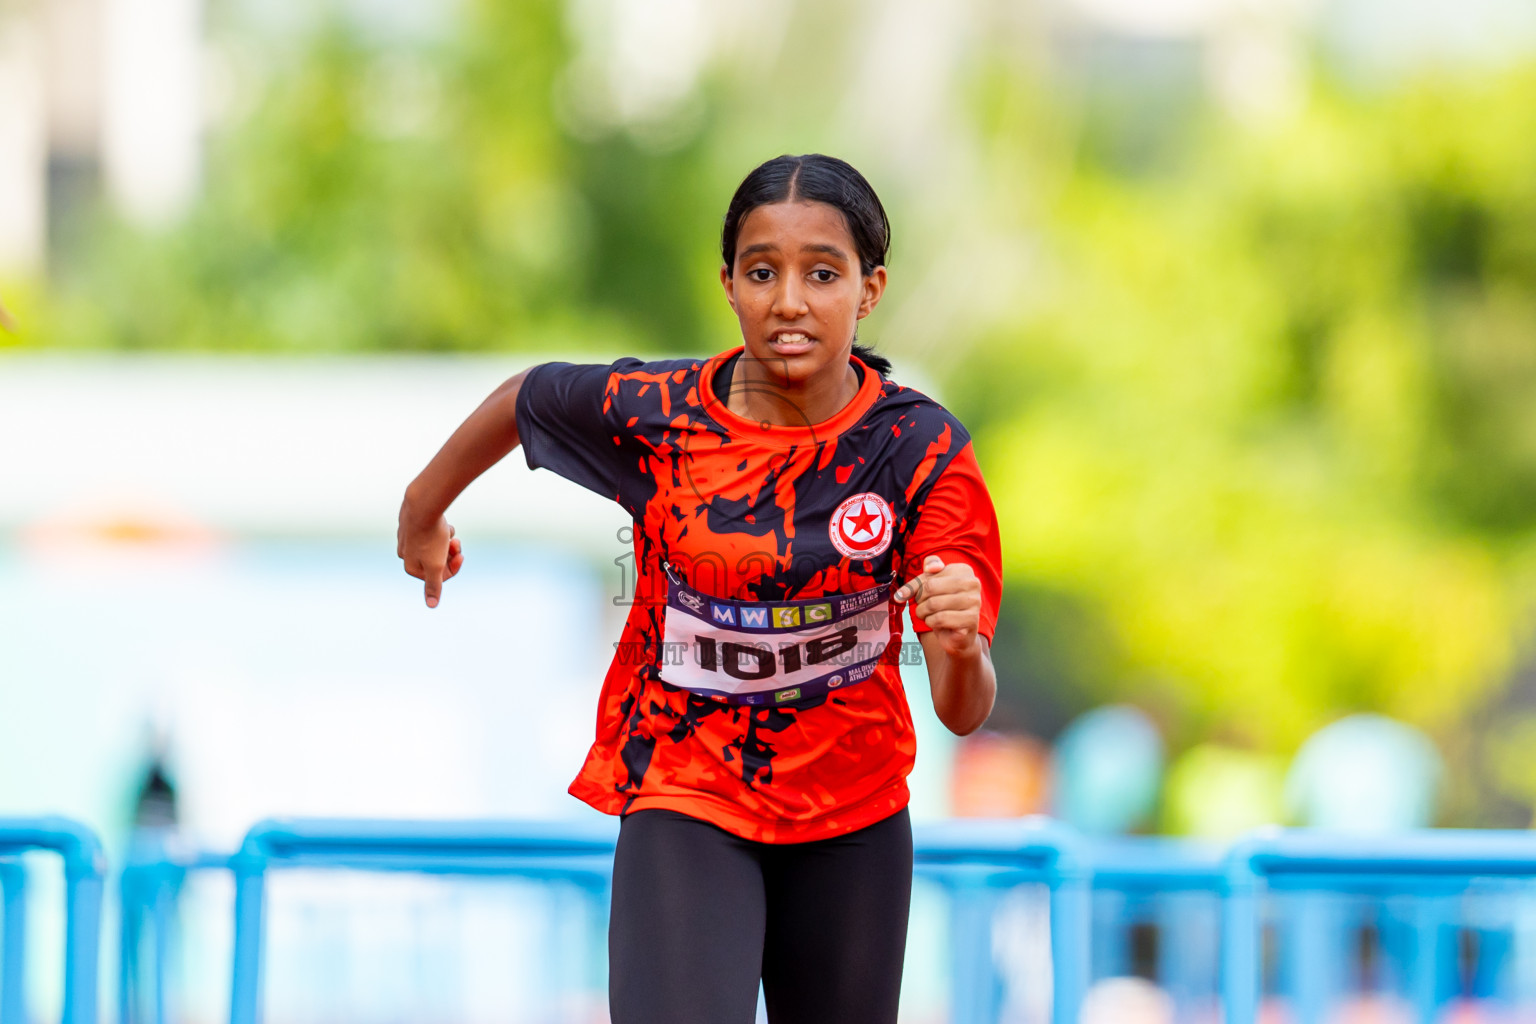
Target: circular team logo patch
861	526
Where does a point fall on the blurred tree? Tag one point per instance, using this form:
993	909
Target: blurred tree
1271	409
380	195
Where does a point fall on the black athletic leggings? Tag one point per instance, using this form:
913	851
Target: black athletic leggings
700	915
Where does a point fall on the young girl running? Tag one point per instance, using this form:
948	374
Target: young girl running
753	732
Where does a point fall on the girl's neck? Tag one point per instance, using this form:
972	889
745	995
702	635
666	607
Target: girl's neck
760	395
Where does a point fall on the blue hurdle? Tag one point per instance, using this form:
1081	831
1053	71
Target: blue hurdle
148	890
1151	878
1433	865
580	853
973	861
84	869
13	941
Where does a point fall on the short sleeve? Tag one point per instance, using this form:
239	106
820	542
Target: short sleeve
562	423
958	523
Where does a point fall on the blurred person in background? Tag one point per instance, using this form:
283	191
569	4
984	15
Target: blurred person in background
753	732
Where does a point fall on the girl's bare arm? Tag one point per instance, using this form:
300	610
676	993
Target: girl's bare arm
948	599
425	541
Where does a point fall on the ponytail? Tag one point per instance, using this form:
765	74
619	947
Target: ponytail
872	359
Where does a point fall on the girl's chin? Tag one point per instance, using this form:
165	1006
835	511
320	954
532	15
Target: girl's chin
789	369
797	359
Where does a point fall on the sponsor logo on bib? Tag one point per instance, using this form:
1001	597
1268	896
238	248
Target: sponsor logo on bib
861	526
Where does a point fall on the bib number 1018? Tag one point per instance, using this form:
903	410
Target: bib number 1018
756	661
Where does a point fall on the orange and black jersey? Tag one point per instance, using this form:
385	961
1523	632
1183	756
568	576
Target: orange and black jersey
772	551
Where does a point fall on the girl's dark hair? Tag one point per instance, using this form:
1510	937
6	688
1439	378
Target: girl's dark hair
821	179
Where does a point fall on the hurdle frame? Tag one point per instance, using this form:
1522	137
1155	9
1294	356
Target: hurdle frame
1429	862
972	861
13	941
1147	867
84	876
148	889
580	852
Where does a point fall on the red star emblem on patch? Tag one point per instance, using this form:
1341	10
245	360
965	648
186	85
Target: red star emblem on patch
861	526
861	521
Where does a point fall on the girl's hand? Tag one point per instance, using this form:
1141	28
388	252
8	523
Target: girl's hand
948	600
429	550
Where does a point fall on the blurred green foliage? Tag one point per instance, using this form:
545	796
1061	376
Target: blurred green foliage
1257	399
1277	414
374	197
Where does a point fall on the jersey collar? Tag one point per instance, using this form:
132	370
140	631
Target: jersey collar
786	436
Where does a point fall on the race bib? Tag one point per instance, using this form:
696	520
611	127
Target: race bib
754	652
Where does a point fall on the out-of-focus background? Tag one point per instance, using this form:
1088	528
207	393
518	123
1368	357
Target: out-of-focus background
1237	297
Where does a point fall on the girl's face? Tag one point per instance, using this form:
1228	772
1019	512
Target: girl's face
798	290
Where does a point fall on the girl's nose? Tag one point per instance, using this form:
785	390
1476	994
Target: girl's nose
789	299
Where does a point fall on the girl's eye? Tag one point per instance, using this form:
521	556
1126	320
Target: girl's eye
825	276
759	273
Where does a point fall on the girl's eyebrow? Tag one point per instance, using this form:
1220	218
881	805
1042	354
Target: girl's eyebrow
830	250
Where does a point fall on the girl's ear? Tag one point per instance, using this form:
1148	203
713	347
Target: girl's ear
729	284
874	287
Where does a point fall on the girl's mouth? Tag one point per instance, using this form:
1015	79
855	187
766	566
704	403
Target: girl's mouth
791	343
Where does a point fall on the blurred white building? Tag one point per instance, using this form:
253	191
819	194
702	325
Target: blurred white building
23	146
95	95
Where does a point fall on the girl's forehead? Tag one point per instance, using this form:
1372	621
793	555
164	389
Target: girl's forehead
797	220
